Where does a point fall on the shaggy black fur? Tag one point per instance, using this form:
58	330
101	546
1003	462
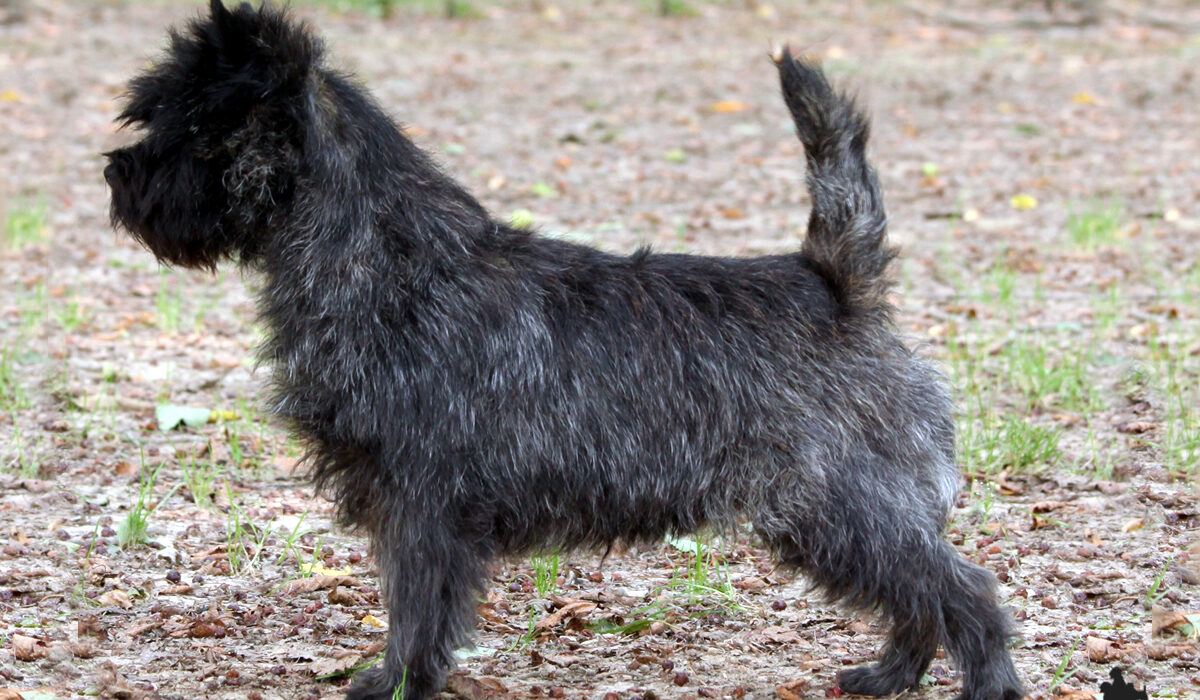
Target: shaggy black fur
469	390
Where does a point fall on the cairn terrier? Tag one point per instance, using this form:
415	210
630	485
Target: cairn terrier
469	390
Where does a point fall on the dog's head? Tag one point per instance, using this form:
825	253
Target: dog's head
221	123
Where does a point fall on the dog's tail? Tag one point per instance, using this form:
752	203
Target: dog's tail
848	225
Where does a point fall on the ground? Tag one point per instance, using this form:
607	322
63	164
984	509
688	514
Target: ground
1041	170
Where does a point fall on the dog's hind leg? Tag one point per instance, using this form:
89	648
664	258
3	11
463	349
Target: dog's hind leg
874	544
432	580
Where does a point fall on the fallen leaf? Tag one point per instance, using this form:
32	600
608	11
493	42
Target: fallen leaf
573	608
561	660
472	688
1160	651
140	628
332	667
521	219
1165	623
792	691
1024	202
728	107
317	582
780	635
170	416
316	567
28	648
1101	650
204	629
344	596
115	597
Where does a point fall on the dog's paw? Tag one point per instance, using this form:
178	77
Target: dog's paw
994	694
872	680
372	684
1002	685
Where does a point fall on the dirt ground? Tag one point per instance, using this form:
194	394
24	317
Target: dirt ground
1042	167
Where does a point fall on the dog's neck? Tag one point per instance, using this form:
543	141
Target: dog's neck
401	194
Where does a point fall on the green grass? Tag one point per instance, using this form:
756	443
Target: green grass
33	307
545	573
13	396
452	9
243	540
1181	431
1095	224
134	528
1050	378
676	8
25	225
989	444
1062	672
20	456
70	313
168	303
200	479
289	543
1000	286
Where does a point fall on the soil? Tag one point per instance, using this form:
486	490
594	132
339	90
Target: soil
997	126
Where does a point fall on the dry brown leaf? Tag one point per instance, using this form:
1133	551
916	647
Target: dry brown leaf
728	107
488	612
115	597
328	667
476	688
1101	650
28	648
286	465
750	583
779	635
1160	651
344	596
792	691
204	629
573	608
561	660
112	685
1038	522
1165	622
317	582
140	628
91	626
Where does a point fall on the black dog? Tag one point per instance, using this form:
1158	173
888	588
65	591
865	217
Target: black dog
468	390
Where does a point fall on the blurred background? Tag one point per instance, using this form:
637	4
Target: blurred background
1041	163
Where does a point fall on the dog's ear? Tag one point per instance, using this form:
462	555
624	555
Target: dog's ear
264	49
223	66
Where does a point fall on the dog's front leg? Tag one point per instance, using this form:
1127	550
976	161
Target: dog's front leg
432	578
